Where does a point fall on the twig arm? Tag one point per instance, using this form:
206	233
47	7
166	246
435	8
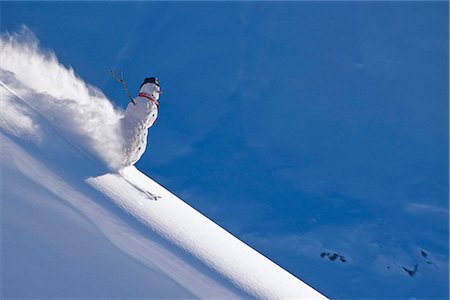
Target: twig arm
122	81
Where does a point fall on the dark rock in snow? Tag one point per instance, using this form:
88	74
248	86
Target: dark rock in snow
333	256
411	272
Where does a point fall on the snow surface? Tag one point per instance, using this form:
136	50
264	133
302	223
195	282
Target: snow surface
58	151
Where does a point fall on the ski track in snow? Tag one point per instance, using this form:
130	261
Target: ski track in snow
227	258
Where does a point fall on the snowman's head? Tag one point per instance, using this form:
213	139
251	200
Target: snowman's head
151	86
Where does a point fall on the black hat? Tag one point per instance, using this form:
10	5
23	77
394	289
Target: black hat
150	80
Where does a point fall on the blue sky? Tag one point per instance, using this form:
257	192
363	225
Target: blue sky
300	127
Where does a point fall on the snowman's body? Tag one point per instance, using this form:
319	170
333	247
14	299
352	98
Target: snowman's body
139	117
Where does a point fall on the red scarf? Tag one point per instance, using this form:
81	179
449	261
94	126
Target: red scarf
144	95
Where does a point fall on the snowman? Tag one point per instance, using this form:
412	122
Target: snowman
140	115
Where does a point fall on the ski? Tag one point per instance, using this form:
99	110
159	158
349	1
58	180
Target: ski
147	193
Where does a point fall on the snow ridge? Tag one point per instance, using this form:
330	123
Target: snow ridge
184	226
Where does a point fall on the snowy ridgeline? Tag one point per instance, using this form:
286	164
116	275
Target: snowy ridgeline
62	205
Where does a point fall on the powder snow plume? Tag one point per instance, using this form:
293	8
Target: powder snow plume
80	111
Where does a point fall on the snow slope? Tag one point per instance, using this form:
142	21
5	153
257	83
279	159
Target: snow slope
58	151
